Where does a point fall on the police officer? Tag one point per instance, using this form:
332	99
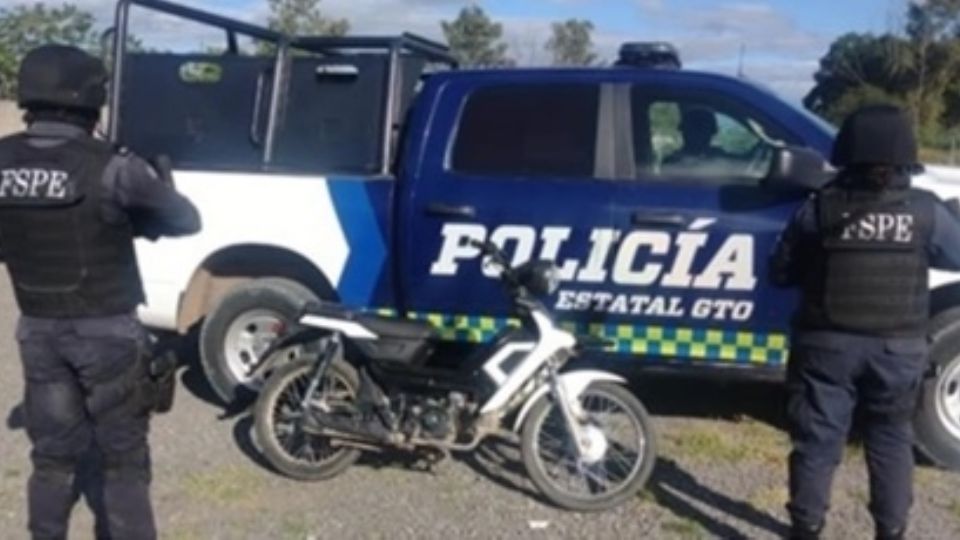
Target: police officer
860	251
70	207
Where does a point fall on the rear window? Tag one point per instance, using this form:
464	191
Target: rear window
535	130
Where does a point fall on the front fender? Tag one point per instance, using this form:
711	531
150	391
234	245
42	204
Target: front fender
298	336
574	382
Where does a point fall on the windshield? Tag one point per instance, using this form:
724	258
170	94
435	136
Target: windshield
822	124
816	119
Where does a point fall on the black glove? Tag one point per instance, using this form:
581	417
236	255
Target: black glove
163	165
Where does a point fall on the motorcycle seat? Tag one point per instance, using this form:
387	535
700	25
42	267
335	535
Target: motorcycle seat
389	327
384	327
327	309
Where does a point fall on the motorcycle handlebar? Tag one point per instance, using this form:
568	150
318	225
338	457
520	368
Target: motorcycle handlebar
489	249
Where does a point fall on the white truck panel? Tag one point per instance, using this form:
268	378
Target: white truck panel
291	212
945	182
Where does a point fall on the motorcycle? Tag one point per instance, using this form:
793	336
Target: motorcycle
586	441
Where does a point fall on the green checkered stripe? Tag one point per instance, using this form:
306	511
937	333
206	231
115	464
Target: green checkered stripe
657	341
469	328
695	343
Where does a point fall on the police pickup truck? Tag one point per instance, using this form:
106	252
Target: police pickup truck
358	169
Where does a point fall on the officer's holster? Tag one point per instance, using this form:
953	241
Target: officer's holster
160	383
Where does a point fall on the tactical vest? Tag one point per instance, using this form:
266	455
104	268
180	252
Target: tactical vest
65	261
873	274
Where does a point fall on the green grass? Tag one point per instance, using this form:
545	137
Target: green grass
926	476
181	534
854	452
224	486
861	495
648	497
738	442
954	508
770	498
685	529
296	529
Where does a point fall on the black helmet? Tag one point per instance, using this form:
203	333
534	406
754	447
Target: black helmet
62	77
876	135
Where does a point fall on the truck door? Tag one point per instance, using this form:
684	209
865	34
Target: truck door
523	164
689	280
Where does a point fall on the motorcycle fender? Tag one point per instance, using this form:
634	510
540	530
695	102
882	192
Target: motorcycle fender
575	382
299	336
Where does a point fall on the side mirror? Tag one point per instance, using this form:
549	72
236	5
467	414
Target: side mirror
798	167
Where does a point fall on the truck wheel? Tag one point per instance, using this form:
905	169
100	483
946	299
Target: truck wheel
242	326
937	423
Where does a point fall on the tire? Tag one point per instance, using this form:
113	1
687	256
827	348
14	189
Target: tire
937	421
241	326
632	484
265	422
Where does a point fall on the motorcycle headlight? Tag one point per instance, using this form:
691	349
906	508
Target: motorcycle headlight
541	278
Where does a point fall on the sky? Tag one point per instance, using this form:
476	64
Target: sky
781	40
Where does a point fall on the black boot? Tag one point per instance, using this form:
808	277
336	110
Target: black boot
896	534
805	531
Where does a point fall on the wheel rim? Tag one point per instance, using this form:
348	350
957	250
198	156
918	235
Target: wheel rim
287	418
248	336
591	478
948	398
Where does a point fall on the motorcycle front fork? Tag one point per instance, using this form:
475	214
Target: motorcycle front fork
573	414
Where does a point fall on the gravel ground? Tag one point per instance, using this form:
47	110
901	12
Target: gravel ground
721	474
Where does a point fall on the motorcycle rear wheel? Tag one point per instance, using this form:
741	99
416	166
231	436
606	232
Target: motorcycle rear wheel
278	421
585	485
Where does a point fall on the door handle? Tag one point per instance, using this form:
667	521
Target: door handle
449	210
676	221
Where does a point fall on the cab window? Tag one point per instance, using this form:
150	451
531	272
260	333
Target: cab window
528	130
701	138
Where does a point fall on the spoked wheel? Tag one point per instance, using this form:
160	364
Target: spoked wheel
279	419
621	453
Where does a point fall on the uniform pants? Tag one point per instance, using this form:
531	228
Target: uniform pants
81	378
830	374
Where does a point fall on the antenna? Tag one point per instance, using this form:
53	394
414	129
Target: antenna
743	50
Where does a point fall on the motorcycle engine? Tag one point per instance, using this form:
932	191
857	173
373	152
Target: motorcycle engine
435	421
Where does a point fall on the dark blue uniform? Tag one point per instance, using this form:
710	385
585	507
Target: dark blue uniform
79	370
833	370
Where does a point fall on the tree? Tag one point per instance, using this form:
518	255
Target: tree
933	20
304	17
24	27
863	64
571	43
933	27
475	40
914	70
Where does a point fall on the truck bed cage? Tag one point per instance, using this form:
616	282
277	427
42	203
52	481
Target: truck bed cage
431	50
395	47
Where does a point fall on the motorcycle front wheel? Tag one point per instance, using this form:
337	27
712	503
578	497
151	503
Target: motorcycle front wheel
278	420
623	452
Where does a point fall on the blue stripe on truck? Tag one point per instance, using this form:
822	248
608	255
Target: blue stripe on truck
367	246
